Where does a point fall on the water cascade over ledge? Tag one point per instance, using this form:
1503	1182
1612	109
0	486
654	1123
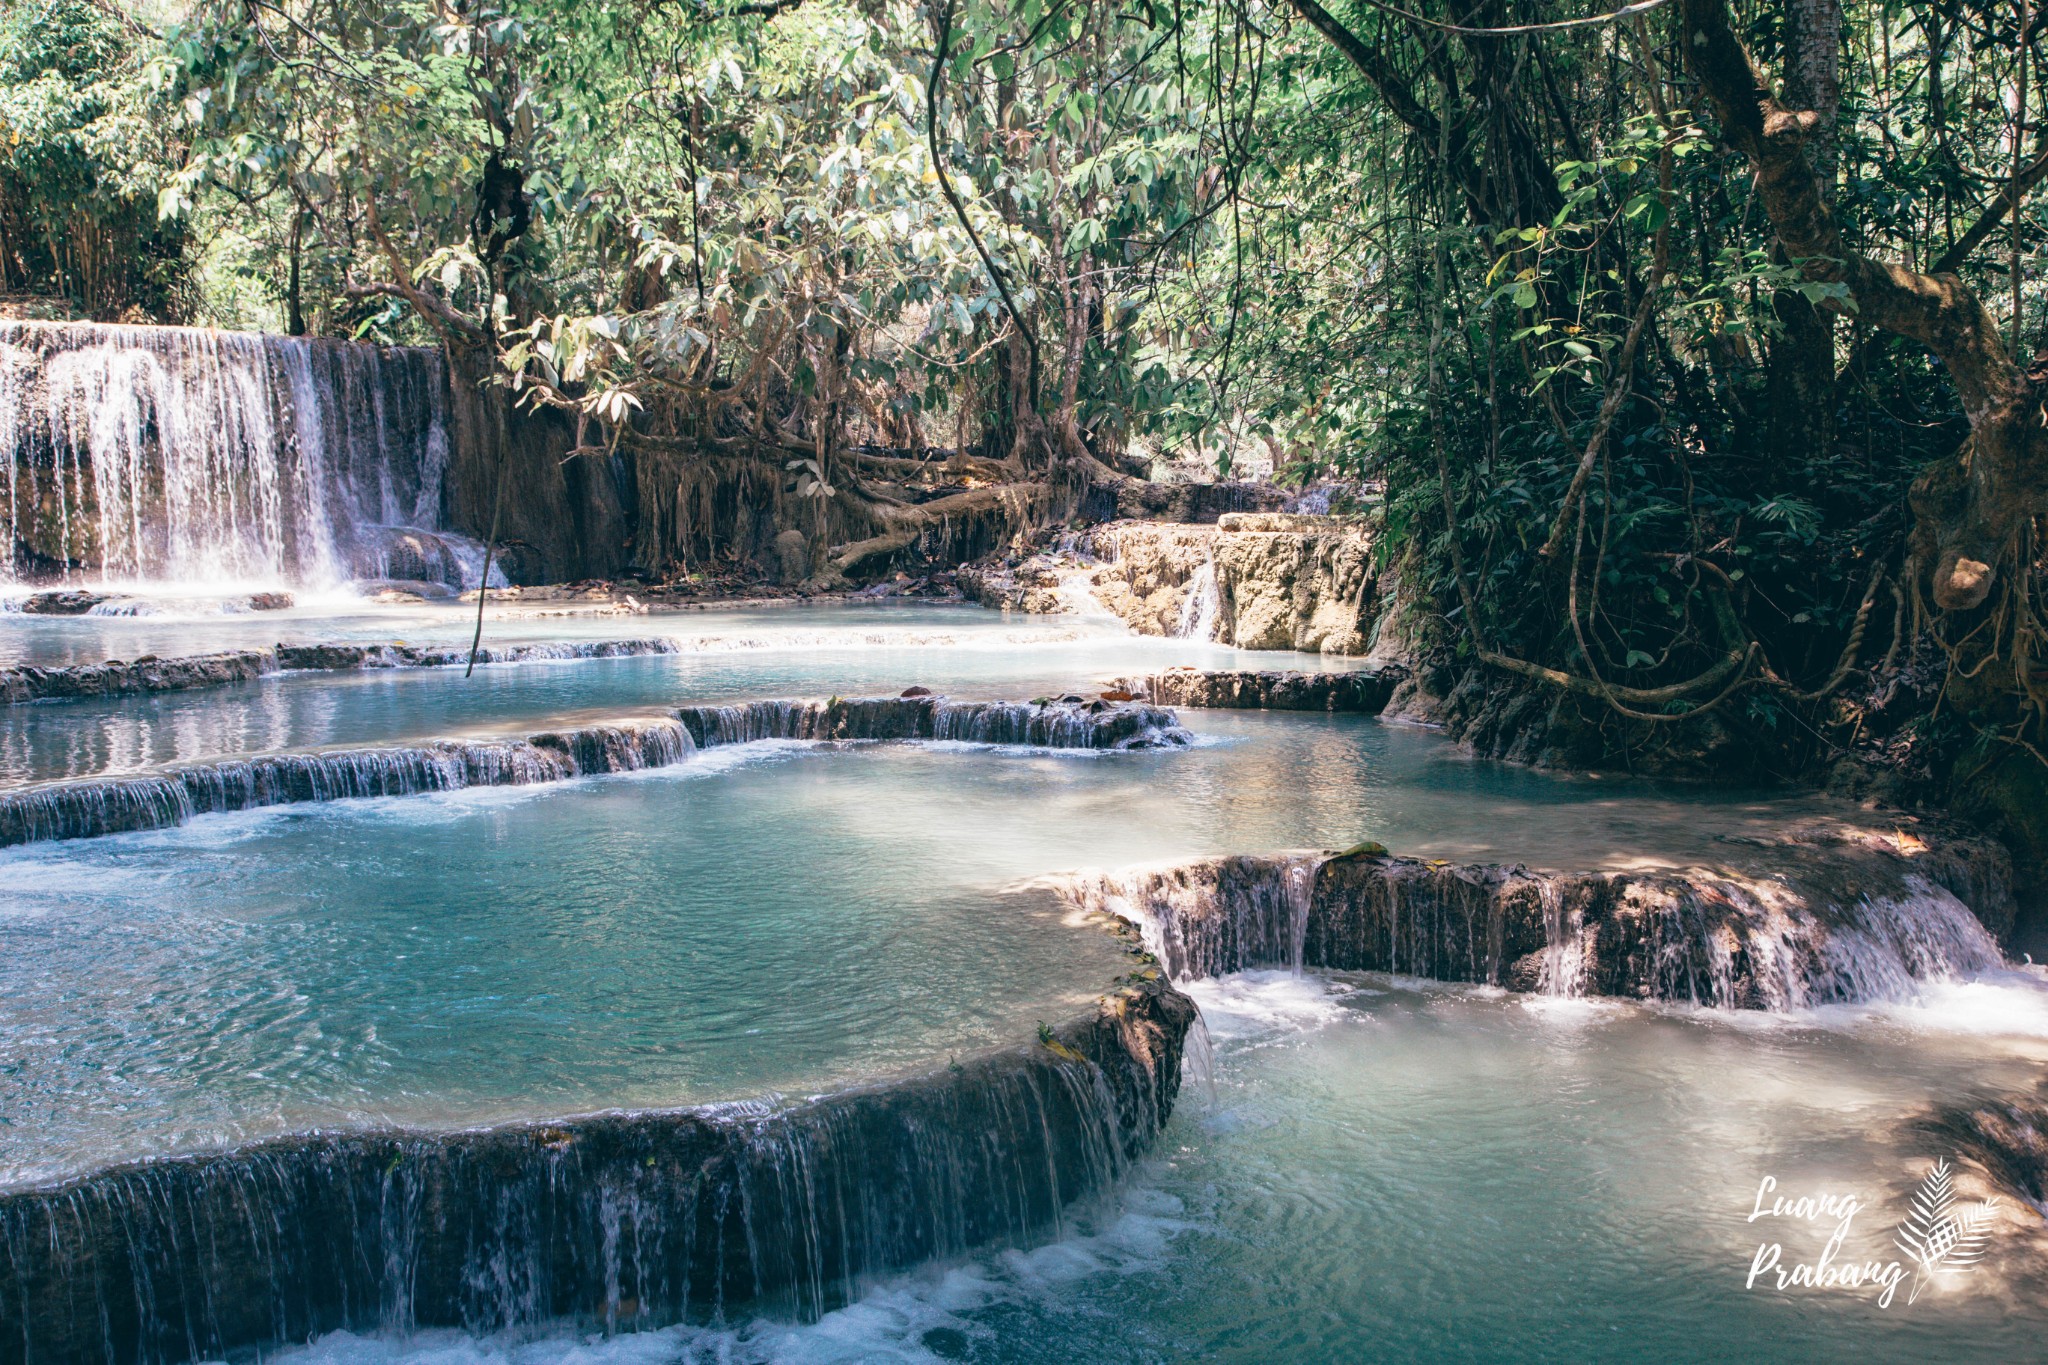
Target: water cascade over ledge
619	1221
1839	918
181	455
94	807
1069	723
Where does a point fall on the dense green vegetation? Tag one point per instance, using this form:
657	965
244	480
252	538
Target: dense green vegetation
1636	355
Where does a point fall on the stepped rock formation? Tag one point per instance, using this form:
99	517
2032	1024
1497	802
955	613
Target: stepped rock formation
1257	580
1830	915
1361	692
92	807
618	1221
117	679
139	677
1068	723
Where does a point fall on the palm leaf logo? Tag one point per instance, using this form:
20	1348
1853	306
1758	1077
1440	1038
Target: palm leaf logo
1938	1237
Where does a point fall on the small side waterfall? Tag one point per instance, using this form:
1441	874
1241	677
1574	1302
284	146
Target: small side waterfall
1835	924
173	454
1202	607
1213	917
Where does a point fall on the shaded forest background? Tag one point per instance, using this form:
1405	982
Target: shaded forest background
1685	357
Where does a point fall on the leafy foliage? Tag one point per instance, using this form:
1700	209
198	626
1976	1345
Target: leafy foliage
80	157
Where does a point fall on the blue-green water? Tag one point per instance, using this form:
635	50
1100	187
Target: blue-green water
770	916
783	651
1392	1171
1386	1170
175	624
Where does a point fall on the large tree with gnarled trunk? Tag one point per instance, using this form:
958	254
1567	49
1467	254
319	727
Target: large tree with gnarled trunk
1972	510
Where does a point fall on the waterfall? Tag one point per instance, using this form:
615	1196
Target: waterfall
91	807
180	455
1068	723
616	1222
115	805
1202	606
1213	917
1838	923
1565	968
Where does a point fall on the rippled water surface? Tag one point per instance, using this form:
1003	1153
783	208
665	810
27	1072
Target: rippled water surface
1385	1170
782	651
167	625
1395	1171
764	916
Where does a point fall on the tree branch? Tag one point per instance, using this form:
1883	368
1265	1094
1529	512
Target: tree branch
1939	311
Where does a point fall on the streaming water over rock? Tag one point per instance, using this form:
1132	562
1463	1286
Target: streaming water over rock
179	455
80	810
1069	723
1838	920
159	800
618	1221
1202	605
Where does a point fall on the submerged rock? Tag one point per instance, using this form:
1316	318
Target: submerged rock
2007	1136
114	678
62	603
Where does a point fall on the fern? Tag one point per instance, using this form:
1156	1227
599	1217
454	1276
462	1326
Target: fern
1940	1242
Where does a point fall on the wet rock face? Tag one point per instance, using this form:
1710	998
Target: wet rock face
1303	590
224	455
620	1222
1835	917
62	603
115	678
1066	723
1364	692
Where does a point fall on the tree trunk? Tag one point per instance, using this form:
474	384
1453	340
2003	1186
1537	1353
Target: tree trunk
1969	508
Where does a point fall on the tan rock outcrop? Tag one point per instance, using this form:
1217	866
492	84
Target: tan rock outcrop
1258	580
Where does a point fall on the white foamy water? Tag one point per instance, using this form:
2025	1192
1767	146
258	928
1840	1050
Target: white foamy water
1387	1169
167	455
1399	1171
